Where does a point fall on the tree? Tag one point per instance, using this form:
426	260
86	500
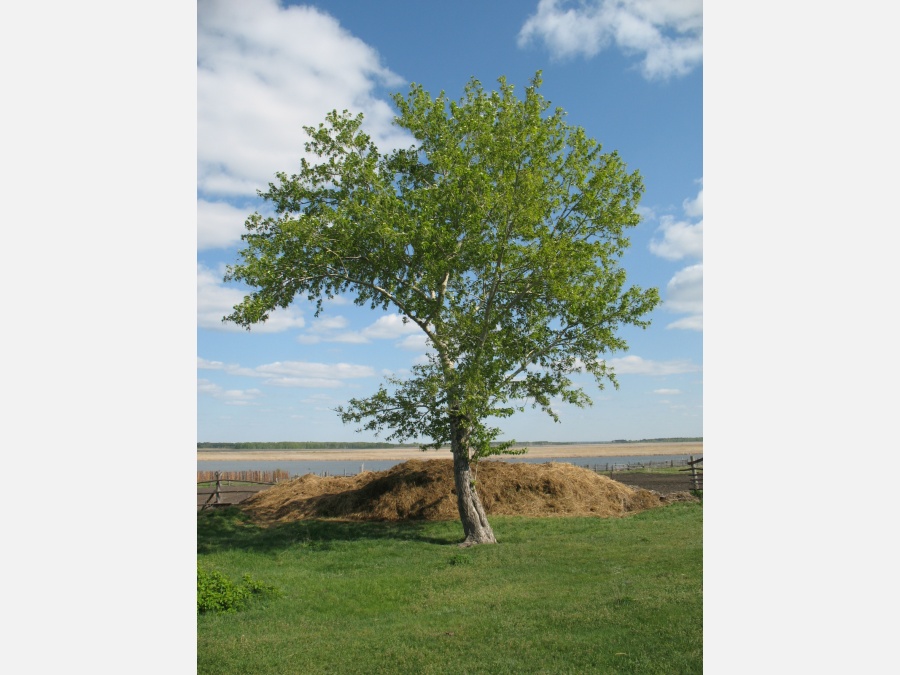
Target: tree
498	234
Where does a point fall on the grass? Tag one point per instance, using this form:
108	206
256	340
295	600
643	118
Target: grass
556	595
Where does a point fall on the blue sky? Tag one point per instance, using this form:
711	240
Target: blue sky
629	72
799	361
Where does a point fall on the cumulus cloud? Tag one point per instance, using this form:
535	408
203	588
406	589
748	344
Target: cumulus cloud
666	34
414	343
291	373
264	71
219	224
694	207
388	327
688	323
350	338
209	365
305	382
229	396
329	323
635	365
306	369
677	240
215	300
684	292
229	368
340	371
680	239
322	329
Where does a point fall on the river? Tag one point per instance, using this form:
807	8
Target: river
348	468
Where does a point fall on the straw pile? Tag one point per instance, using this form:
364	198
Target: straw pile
424	490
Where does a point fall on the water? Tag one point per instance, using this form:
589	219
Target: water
348	468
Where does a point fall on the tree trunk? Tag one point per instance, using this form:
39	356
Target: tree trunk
471	512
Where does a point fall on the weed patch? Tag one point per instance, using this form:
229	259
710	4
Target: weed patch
217	593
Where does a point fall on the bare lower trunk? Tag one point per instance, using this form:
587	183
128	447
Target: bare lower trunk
471	512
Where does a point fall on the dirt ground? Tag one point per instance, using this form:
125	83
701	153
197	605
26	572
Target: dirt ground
664	483
229	494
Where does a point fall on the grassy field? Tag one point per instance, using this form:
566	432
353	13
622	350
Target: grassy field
556	595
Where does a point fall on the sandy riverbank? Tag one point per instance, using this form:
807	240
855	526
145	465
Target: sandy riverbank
540	451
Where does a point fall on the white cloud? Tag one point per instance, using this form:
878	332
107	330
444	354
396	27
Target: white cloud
328	323
322	329
219	224
308	374
667	392
694	207
265	71
682	239
215	300
307	382
679	239
635	365
688	323
667	33
646	212
230	368
204	364
414	343
229	396
289	373
684	292
389	327
349	338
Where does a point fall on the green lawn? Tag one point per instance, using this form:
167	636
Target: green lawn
556	595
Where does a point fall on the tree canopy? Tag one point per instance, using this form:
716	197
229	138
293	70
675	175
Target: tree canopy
499	234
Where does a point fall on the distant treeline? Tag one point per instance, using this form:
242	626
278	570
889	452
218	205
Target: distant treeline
300	445
356	445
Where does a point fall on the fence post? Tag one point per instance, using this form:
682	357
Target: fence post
694	474
218	484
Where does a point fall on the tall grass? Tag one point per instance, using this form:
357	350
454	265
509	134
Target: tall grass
556	595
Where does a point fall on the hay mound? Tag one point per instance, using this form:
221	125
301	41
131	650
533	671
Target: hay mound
424	490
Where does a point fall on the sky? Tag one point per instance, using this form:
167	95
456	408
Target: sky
102	131
630	72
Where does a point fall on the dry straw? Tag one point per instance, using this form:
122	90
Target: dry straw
424	490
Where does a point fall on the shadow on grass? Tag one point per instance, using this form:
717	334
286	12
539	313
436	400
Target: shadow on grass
229	529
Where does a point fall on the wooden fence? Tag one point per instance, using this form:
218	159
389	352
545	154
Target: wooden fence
244	476
696	472
223	488
609	467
